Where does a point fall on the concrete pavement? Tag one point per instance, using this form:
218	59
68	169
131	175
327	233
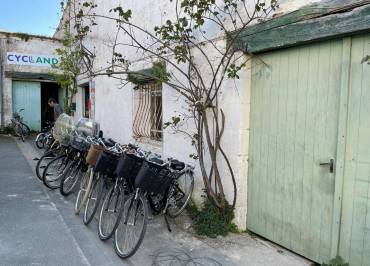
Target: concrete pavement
38	227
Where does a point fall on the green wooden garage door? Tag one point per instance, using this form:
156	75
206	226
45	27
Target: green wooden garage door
26	95
294	125
311	104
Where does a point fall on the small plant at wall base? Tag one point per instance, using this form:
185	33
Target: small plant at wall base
212	221
75	58
7	130
198	62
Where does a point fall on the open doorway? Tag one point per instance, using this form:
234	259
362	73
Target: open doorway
85	99
48	90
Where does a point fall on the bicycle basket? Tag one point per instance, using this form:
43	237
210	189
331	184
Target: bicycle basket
106	163
63	128
93	154
79	143
87	127
153	178
129	166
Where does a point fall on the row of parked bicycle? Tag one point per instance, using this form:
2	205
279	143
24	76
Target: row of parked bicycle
118	184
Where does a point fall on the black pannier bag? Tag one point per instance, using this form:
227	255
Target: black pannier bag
129	166
79	143
153	178
106	163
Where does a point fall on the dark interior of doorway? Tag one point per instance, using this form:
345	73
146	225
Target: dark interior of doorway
48	90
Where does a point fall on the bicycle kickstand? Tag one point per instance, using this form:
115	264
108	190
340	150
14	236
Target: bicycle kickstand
167	223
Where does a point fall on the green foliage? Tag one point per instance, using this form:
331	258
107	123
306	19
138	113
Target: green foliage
337	261
73	56
212	221
157	72
233	70
160	73
124	15
175	120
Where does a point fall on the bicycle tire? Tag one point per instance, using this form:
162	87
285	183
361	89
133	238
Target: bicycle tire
40	141
39	166
83	192
92	206
119	235
187	199
54	183
25	129
117	198
71	174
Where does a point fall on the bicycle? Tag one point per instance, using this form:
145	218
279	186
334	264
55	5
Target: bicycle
112	207
45	137
49	154
77	167
20	128
57	168
97	146
105	167
165	185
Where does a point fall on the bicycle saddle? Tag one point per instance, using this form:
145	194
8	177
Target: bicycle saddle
108	142
177	165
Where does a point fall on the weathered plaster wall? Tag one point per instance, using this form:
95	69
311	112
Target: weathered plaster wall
10	42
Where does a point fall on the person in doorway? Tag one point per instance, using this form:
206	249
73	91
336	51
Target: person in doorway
57	108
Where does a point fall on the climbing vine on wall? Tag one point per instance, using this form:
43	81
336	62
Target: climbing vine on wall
75	59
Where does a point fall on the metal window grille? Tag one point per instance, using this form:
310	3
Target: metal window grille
148	111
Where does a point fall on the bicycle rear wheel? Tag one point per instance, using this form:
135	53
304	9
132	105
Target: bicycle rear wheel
54	172
180	194
25	130
111	212
93	200
132	227
70	178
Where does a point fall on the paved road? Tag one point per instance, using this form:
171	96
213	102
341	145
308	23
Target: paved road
32	232
38	227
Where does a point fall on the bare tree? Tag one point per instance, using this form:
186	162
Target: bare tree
195	54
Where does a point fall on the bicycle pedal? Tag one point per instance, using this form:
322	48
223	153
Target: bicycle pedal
36	159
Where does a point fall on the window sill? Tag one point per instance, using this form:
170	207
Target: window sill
150	144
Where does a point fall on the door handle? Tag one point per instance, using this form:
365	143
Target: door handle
330	164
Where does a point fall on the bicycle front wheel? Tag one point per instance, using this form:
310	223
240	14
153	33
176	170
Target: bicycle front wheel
111	212
70	178
43	162
180	194
93	200
85	187
132	226
54	172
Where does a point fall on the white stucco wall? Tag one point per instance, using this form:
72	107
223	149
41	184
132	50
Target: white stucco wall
114	106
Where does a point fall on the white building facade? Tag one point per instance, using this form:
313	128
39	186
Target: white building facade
114	107
300	178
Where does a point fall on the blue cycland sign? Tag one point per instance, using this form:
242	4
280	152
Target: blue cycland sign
31	59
